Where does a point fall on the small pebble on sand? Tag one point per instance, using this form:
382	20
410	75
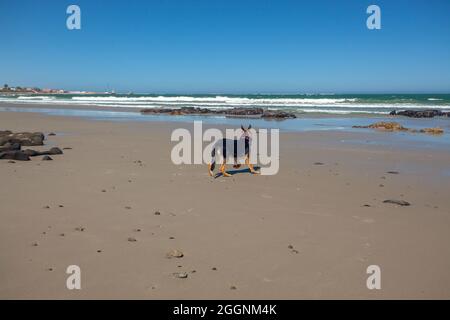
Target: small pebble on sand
180	275
174	254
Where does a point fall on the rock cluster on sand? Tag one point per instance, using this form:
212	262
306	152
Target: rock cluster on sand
429	113
22	138
235	112
11	145
395	126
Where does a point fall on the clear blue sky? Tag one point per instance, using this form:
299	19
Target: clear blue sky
227	46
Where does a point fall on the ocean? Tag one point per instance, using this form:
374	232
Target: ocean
326	104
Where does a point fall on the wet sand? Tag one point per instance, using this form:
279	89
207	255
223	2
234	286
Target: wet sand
308	232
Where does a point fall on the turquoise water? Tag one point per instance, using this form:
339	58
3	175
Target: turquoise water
332	104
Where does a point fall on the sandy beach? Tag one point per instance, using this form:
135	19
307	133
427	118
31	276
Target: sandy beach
115	205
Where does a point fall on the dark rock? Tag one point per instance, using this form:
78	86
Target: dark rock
240	112
191	110
234	112
46	158
34	153
55	150
31	153
23	138
397	202
52	134
10	147
429	113
278	115
14	155
156	110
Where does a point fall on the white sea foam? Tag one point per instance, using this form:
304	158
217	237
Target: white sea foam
218	100
39	98
296	104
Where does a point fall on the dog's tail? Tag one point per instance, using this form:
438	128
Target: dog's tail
213	161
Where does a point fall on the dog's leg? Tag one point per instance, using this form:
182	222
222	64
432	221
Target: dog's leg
210	171
222	170
250	166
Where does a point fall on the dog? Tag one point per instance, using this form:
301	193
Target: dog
241	149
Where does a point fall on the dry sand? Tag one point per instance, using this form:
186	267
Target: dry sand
303	233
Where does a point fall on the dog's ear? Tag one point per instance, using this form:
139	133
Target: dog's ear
249	127
242	127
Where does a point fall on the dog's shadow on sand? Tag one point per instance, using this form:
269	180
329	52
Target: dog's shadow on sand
233	172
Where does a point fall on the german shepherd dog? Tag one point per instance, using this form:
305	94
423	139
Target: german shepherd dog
240	148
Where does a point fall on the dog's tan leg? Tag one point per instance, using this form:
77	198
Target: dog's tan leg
209	170
250	166
222	170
